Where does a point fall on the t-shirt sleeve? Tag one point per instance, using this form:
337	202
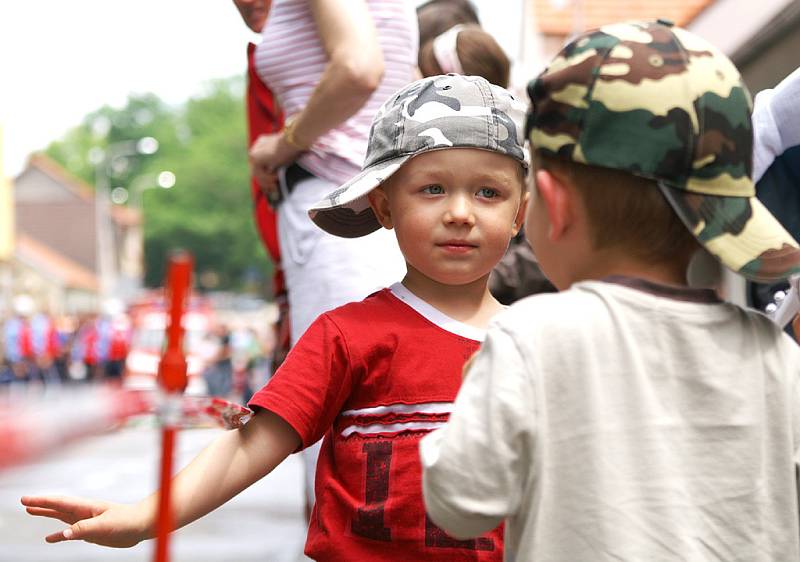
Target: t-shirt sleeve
312	384
474	469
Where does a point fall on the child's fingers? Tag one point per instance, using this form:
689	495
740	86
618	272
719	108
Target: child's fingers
55	537
66	509
78	531
52	514
50	502
796	327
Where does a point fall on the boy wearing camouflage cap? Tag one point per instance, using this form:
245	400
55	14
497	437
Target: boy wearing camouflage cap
444	168
631	417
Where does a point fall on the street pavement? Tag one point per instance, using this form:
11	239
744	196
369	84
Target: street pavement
264	523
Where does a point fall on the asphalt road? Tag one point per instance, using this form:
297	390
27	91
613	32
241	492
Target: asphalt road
264	523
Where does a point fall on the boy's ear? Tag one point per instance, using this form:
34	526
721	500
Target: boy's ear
379	203
557	199
519	219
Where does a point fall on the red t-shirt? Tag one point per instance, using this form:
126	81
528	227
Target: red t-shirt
372	378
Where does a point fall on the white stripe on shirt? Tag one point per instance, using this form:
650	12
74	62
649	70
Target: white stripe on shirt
426	408
378	428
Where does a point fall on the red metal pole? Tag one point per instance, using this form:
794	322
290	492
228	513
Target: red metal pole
172	382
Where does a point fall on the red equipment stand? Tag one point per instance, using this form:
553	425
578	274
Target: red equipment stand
172	382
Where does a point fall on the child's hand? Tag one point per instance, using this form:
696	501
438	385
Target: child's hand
98	522
796	327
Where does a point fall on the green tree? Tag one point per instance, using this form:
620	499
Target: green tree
208	212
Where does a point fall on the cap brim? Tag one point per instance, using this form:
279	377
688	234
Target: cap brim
740	232
346	212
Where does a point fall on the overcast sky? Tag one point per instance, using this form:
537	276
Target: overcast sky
61	59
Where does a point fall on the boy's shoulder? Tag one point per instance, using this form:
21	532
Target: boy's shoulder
393	315
377	312
602	316
362	311
598	303
595	301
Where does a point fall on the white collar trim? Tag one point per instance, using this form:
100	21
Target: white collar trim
436	316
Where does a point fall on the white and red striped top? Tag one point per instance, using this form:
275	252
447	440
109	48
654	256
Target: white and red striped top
291	59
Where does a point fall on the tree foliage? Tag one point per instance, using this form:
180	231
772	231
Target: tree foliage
208	211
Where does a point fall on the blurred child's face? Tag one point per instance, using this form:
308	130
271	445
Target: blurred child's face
453	212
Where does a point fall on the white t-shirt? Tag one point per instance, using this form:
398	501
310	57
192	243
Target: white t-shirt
636	423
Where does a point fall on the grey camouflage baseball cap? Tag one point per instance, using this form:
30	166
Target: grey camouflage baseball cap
449	111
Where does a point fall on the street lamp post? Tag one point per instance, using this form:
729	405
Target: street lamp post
105	162
132	269
164	180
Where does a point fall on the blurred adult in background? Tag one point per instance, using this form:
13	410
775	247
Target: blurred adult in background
46	346
31	344
18	340
776	165
258	363
219	373
331	64
88	349
264	117
118	345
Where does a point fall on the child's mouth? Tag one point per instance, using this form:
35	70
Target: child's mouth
457	246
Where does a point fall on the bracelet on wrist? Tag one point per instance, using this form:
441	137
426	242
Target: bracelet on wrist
289	135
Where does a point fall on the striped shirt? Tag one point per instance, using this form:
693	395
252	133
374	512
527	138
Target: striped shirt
291	59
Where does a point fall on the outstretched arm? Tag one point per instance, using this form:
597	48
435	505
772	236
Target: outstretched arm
226	467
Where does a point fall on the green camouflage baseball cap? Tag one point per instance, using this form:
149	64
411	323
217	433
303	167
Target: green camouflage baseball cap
434	113
659	102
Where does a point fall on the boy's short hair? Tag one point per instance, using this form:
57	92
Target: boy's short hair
625	211
656	101
478	53
435	113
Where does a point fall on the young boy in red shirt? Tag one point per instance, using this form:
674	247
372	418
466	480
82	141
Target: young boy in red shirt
445	169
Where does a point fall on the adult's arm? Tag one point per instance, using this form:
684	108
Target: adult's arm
226	467
354	69
353	72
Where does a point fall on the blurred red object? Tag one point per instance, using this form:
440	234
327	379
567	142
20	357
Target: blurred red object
172	381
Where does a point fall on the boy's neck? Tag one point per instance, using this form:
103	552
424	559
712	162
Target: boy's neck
610	263
471	303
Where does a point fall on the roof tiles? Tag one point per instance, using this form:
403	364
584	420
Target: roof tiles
580	15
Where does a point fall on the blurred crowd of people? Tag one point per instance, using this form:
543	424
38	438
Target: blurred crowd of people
38	347
44	349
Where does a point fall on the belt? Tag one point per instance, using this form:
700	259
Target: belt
291	175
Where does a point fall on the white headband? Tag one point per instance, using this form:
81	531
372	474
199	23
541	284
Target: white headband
445	51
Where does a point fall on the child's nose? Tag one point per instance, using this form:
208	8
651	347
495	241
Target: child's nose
460	211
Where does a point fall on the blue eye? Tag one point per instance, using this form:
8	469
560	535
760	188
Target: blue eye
433	190
487	192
